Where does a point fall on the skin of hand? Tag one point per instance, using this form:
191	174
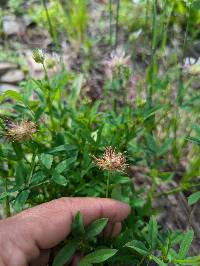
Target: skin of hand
28	237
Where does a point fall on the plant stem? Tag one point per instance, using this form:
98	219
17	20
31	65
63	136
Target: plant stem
40	184
49	96
32	168
7	201
46	74
117	23
107	185
186	32
48	19
177	189
110	22
146	14
141	261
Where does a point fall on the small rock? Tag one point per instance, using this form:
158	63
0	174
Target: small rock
5	87
13	76
5	66
13	26
27	20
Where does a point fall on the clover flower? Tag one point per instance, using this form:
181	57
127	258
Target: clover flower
117	59
19	131
111	161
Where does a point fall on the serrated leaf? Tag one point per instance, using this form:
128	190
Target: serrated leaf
158	261
185	244
21	200
192	199
77	225
138	246
46	159
65	254
152	233
96	227
59	179
98	256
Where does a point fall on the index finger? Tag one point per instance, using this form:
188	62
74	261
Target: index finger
46	225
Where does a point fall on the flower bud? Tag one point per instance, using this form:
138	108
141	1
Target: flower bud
38	56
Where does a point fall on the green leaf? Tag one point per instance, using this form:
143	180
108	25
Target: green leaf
122	179
194	140
46	159
96	227
20	174
4	195
64	164
98	256
61	148
11	94
38	177
138	246
59	179
65	254
193	261
77	225
152	233
75	92
83	263
21	200
185	244
192	199
158	261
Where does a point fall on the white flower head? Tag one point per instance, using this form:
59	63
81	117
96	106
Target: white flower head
118	59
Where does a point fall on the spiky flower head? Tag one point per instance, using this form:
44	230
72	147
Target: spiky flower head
111	160
38	56
117	59
19	131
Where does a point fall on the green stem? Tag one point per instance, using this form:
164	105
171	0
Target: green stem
48	20
32	168
141	261
176	190
49	102
40	184
186	32
146	14
110	22
117	24
46	74
107	185
7	201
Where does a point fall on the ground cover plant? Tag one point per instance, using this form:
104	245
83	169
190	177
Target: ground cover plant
122	122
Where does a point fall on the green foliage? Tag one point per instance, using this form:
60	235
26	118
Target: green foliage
72	19
157	132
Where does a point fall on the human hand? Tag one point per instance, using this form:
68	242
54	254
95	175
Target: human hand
27	238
